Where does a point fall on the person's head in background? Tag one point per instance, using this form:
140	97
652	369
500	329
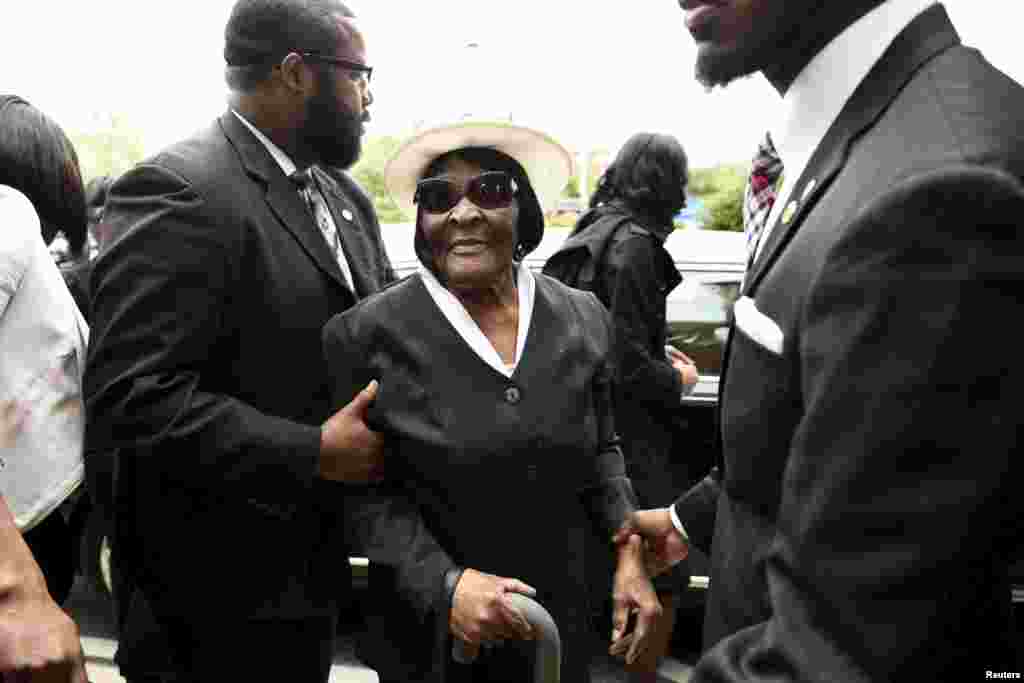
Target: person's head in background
649	175
95	199
298	72
38	159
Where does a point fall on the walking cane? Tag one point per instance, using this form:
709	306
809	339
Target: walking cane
548	663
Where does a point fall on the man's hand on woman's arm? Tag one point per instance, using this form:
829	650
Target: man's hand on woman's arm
350	451
664	544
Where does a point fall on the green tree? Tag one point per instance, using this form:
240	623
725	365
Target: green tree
721	187
725	211
110	150
369	171
572	188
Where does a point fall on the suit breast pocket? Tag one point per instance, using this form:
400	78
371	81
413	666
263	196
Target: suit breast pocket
761	406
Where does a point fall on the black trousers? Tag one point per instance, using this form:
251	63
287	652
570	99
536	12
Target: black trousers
215	648
53	547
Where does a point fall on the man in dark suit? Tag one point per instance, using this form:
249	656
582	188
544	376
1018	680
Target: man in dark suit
866	503
206	375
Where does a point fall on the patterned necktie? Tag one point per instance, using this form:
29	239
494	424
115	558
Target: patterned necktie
322	216
760	194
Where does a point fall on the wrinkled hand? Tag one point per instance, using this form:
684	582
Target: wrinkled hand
663	544
481	614
38	640
349	450
683	364
632	593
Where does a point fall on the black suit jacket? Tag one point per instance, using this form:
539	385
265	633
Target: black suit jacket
205	374
867	503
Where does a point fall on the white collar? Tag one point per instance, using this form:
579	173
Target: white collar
822	88
467	328
283	160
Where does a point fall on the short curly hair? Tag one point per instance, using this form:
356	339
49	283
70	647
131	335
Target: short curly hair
260	33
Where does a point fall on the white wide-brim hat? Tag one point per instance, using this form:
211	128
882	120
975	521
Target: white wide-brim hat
547	163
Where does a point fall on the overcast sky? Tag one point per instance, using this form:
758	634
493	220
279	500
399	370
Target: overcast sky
590	73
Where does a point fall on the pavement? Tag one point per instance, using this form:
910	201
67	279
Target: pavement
93	613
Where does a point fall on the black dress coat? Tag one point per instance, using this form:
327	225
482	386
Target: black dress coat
634	274
498	474
206	380
634	279
868	501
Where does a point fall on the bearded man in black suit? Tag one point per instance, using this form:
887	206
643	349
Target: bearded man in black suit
866	506
229	252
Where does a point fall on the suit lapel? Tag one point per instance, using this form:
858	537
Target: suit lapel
282	196
351	230
928	34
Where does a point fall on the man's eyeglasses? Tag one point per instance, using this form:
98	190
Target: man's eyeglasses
360	71
490	190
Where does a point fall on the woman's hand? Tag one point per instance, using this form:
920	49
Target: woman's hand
684	365
481	614
632	593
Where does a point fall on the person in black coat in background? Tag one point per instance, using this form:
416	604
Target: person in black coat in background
630	217
495	405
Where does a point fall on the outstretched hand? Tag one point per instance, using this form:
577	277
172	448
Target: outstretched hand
481	614
664	545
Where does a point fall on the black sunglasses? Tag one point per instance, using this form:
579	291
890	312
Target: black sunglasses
490	190
360	69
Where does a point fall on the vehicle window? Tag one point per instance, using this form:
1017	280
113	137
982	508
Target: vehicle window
699	314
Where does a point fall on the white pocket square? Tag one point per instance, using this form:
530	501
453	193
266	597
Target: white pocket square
757	325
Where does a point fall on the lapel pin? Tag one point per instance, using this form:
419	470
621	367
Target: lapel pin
787	214
347	215
808	189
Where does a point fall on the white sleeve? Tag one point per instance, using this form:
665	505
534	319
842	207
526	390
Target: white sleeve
676	523
19	224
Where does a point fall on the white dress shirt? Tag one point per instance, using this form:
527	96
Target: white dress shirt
288	167
463	322
820	92
42	356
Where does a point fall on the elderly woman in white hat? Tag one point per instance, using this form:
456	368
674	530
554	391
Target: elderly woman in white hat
494	398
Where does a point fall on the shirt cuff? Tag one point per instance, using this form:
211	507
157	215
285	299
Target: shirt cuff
676	523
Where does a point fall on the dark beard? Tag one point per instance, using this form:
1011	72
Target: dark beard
784	43
717	66
332	135
720	69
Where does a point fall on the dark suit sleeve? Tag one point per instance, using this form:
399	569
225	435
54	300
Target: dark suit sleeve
162	291
606	491
696	510
637	304
899	475
382	519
